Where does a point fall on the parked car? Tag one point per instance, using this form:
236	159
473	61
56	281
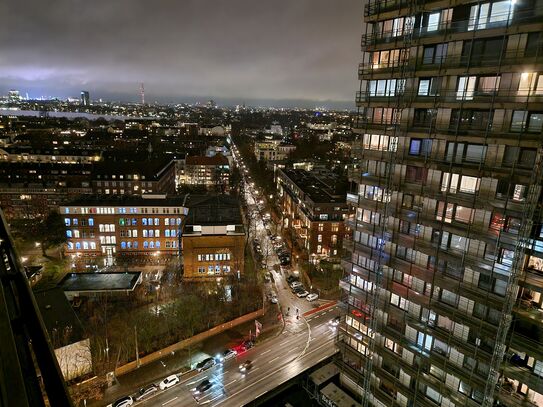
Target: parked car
168	382
292	278
302	294
203	386
295	284
146	391
245	366
312	297
205	364
274	299
123	402
226	355
298	289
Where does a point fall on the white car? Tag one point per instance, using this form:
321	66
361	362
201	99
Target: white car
168	382
301	294
273	299
312	297
295	284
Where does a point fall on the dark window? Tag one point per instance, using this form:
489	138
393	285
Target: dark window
407	201
416	174
471	119
534	45
483	51
425	117
434	54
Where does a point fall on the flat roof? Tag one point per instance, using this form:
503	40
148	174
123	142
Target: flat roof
338	396
58	316
319	187
127	200
122	281
324	373
214	210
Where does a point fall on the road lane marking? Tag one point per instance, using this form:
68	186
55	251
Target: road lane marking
233	381
275	358
268	351
195	381
169	401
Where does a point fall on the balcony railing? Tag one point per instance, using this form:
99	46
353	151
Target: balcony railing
516	17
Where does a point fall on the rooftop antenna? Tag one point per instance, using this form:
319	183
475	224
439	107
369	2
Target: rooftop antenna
142	91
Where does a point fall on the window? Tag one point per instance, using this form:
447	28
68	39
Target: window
488	15
538	368
531	122
380	142
466	87
424	341
388	58
534	44
429	86
526	83
483	51
459	183
437	20
425	117
487	85
434	54
471	119
386	87
523	157
67	221
463	152
420	147
69	233
416	174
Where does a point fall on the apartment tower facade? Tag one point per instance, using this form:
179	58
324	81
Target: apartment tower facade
444	274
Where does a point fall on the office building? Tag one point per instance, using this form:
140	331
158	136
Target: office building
443	285
85	98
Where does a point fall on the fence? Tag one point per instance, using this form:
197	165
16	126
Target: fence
188	342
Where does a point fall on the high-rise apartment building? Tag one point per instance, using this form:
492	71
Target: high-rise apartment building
444	275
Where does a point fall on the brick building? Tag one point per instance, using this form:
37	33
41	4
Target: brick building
123	225
314	206
213	238
134	177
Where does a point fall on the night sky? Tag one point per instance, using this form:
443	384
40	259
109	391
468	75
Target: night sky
279	52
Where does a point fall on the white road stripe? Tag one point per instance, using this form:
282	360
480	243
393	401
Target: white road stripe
169	401
233	381
275	358
268	351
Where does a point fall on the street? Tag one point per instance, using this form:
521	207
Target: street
302	344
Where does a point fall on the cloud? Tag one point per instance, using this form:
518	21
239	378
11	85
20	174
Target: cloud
302	49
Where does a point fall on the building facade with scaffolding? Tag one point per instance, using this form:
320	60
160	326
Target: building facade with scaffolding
444	273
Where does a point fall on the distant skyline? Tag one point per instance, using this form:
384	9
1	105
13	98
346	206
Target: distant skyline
282	53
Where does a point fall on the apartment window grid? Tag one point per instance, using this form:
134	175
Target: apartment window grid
453	196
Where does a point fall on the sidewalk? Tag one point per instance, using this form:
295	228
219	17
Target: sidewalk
131	382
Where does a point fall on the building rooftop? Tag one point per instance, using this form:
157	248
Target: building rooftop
323	187
214	210
129	200
124	281
151	169
217	159
58	316
323	374
338	397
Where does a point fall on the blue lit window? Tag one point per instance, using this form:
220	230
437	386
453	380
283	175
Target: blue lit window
167	233
134	221
178	221
78	246
157	244
173	233
145	244
414	146
144	221
91	222
75	221
123	245
68	233
135	244
157	221
129	245
67	221
151	244
70	246
66	210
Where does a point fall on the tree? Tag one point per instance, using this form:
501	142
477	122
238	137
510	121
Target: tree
51	231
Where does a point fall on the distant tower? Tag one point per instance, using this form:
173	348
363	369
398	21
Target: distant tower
85	98
142	91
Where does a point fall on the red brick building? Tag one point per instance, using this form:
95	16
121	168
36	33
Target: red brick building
314	208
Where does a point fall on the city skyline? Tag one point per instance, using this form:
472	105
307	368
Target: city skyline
280	54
